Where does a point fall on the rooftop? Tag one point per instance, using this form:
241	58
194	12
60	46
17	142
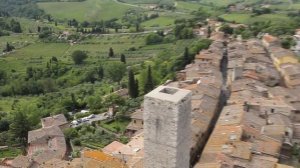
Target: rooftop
270	39
170	94
56	120
138	114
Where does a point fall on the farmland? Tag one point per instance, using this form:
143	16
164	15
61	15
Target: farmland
90	10
38	54
247	18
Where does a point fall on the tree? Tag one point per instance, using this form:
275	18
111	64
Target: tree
149	85
4	125
137	27
78	57
90	76
288	42
70	133
113	100
15	26
226	29
74	101
132	85
111	52
94	102
123	58
137	87
153	38
20	127
115	71
186	56
209	31
8	48
100	72
3	77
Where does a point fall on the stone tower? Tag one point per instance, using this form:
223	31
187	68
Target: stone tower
167	131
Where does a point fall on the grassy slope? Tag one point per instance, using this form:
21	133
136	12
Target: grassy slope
160	21
246	18
38	54
91	10
219	2
35	55
141	1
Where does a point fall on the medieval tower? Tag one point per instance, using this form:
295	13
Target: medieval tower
167	132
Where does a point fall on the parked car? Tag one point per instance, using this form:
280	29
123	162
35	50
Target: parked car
75	122
91	116
84	119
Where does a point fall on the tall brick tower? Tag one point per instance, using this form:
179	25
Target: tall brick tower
167	132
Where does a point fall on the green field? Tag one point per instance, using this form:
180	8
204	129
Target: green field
218	2
38	54
190	6
90	10
248	19
140	1
236	17
286	6
161	21
35	55
17	41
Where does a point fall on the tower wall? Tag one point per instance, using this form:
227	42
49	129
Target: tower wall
167	132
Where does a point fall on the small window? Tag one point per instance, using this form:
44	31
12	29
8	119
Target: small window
272	110
134	121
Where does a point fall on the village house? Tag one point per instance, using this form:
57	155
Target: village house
270	41
136	124
57	120
46	143
208	56
258	127
201	32
296	48
235	143
217	36
198	70
289	96
215	25
131	153
89	158
282	56
291	74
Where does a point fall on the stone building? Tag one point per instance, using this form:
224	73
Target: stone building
167	129
136	123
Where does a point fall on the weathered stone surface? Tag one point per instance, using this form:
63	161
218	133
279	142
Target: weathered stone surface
167	118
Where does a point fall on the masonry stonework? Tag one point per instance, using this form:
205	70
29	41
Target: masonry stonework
167	118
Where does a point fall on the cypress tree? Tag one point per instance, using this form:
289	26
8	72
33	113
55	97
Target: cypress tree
186	57
123	58
209	31
149	81
100	72
111	52
137	87
131	84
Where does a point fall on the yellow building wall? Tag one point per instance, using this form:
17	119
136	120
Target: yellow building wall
283	60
